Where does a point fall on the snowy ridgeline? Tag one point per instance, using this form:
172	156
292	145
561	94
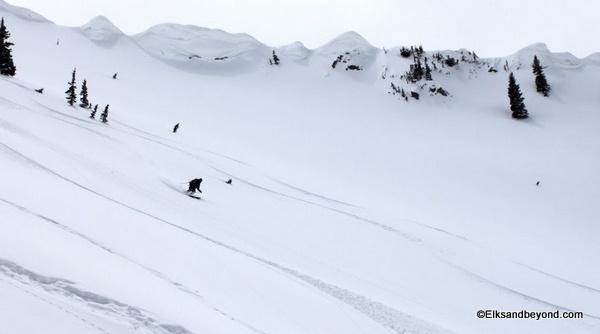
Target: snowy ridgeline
352	208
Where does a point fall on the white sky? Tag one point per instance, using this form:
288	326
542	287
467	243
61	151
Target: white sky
490	28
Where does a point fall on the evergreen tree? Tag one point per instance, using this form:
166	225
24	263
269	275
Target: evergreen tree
71	94
516	99
84	95
104	116
419	70
93	114
427	71
7	66
541	84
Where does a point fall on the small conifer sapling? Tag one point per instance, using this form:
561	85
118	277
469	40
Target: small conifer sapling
94	111
104	115
84	95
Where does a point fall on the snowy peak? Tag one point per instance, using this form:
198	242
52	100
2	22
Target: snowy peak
349	50
100	29
295	50
181	42
347	42
23	13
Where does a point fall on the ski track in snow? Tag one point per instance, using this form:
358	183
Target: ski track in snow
581	286
53	111
354	216
514	292
308	193
61	226
79	122
9	126
92	303
170	140
463	238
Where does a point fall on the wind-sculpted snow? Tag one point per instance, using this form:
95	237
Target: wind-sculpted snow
524	57
23	13
64	290
202	47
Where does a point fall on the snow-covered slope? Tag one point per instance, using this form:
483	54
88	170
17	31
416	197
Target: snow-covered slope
351	210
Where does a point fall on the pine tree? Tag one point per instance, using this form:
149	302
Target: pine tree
104	116
84	95
428	76
71	94
541	84
519	111
93	114
419	70
7	66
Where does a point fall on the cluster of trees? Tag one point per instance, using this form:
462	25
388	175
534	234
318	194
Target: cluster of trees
417	71
415	51
84	102
448	61
345	58
420	70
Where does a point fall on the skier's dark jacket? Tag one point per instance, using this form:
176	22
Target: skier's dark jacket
195	185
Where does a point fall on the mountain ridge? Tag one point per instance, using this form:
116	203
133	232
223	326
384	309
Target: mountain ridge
101	28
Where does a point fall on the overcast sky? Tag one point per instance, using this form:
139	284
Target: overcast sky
490	28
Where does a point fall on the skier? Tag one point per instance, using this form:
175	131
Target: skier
194	185
229	181
176	127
